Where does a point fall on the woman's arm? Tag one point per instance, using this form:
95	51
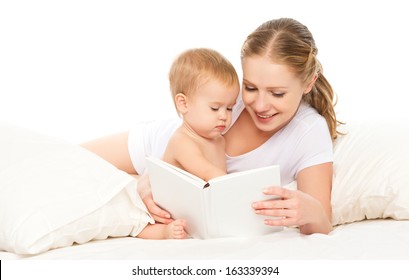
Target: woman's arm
114	149
309	207
316	182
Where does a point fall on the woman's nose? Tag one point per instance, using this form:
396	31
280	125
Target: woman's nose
260	102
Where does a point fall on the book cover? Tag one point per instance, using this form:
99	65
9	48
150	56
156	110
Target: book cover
218	208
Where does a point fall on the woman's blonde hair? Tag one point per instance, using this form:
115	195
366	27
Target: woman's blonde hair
287	41
195	67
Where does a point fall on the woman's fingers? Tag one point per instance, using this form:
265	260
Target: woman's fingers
278	216
157	213
275	212
271	204
279	191
281	210
284	221
161	220
144	191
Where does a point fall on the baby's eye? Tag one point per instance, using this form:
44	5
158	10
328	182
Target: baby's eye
229	108
214	108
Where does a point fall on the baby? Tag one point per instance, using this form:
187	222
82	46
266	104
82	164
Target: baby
204	87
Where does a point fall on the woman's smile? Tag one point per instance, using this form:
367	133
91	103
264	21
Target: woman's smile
265	116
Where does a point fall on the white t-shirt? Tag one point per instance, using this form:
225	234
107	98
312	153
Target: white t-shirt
303	142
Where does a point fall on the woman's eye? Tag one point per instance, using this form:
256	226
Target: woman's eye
248	88
278	94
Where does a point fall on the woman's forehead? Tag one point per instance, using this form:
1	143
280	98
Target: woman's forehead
261	70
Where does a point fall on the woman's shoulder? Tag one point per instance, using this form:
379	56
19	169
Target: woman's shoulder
306	123
307	117
150	138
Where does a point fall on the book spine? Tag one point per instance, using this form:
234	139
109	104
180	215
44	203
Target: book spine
212	227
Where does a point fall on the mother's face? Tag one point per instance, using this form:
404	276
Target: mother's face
271	93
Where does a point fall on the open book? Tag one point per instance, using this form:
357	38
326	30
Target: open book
218	208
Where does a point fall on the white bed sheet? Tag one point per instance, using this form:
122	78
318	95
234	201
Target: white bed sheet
370	240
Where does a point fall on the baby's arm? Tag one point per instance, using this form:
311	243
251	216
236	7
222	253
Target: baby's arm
198	165
190	157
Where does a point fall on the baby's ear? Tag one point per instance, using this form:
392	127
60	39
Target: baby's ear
181	103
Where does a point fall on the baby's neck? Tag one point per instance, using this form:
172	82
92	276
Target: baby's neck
194	135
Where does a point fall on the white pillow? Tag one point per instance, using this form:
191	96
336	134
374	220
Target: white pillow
371	180
54	193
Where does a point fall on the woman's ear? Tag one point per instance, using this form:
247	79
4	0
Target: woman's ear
181	103
311	84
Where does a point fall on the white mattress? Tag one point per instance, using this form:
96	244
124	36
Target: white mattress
370	240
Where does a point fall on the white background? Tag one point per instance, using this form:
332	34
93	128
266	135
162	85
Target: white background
82	69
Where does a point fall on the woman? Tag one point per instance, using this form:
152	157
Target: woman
284	116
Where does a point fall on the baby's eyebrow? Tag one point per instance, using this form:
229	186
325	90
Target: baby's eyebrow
217	103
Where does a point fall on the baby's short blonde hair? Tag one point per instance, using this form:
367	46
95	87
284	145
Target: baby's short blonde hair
194	67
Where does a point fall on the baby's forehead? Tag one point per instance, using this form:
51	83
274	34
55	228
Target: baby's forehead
224	80
217	91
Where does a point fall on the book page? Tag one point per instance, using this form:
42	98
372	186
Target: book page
197	181
230	202
180	195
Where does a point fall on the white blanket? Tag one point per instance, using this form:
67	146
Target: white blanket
370	240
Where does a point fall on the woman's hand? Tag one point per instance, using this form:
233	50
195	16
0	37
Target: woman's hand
295	208
144	190
309	207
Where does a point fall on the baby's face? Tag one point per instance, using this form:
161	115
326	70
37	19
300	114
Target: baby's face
210	107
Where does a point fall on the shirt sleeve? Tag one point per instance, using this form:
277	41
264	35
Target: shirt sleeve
315	147
150	139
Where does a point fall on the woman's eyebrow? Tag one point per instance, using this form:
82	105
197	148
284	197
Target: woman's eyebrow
278	87
269	87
